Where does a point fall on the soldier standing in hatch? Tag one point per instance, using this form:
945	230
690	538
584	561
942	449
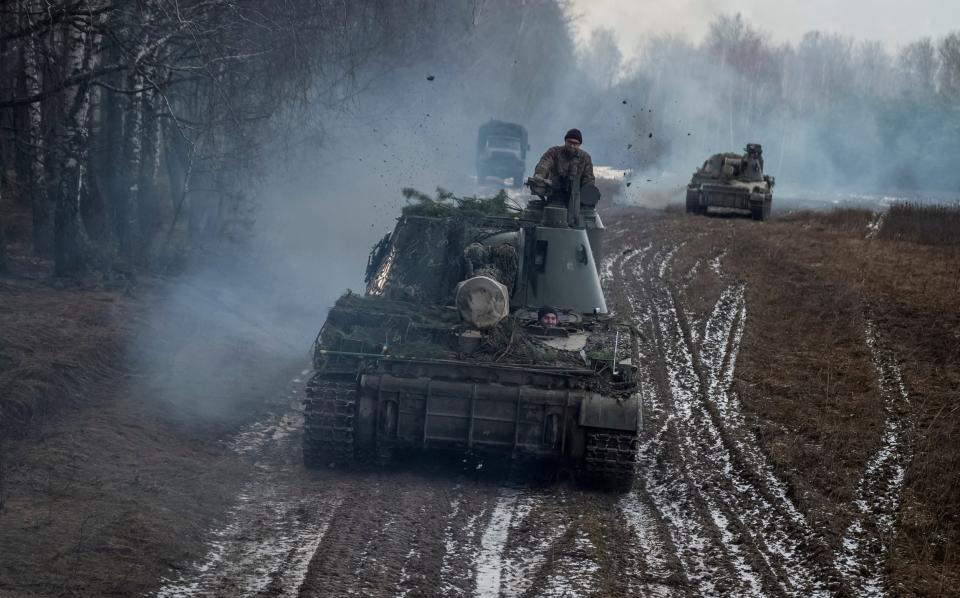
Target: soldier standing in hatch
561	162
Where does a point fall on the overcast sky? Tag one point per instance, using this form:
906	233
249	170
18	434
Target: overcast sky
893	22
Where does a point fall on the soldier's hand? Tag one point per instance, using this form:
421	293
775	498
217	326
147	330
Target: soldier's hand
540	181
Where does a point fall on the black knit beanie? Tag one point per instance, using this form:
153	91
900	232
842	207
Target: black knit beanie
574	134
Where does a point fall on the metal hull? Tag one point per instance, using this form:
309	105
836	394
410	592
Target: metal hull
699	198
525	415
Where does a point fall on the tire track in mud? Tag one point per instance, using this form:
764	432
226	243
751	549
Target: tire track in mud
680	384
659	511
524	542
381	541
537	543
270	534
461	543
663	465
735	503
865	543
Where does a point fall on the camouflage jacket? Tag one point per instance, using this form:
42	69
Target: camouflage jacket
557	166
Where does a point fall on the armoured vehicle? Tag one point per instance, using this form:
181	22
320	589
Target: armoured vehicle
444	352
732	181
501	151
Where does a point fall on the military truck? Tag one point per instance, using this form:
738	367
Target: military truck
501	151
731	180
444	351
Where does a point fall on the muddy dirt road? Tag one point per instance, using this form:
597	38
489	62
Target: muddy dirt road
707	516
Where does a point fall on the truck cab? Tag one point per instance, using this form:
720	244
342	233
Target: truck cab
502	151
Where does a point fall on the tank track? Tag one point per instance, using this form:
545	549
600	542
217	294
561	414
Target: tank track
761	212
611	458
329	412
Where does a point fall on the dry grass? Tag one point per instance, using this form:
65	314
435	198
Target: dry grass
55	347
921	223
851	220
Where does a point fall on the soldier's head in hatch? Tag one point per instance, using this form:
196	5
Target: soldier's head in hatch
547	317
572	140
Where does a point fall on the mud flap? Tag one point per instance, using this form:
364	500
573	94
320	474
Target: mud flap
598	411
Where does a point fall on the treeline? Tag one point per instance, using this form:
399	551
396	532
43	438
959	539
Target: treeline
110	107
829	109
132	131
133	128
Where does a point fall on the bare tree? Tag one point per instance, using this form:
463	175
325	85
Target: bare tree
873	70
918	63
602	59
949	51
70	238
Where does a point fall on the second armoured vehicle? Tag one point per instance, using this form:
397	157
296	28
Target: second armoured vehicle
732	181
444	351
501	151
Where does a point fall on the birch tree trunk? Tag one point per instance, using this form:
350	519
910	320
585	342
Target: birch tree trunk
129	202
70	242
34	146
111	136
149	208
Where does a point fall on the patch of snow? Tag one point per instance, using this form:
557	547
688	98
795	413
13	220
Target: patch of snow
715	263
865	542
694	269
405	580
874	226
489	565
666	258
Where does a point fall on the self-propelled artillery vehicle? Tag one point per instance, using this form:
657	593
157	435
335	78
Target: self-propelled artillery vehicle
444	351
732	181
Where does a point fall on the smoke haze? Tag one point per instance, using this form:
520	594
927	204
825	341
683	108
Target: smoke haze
833	114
